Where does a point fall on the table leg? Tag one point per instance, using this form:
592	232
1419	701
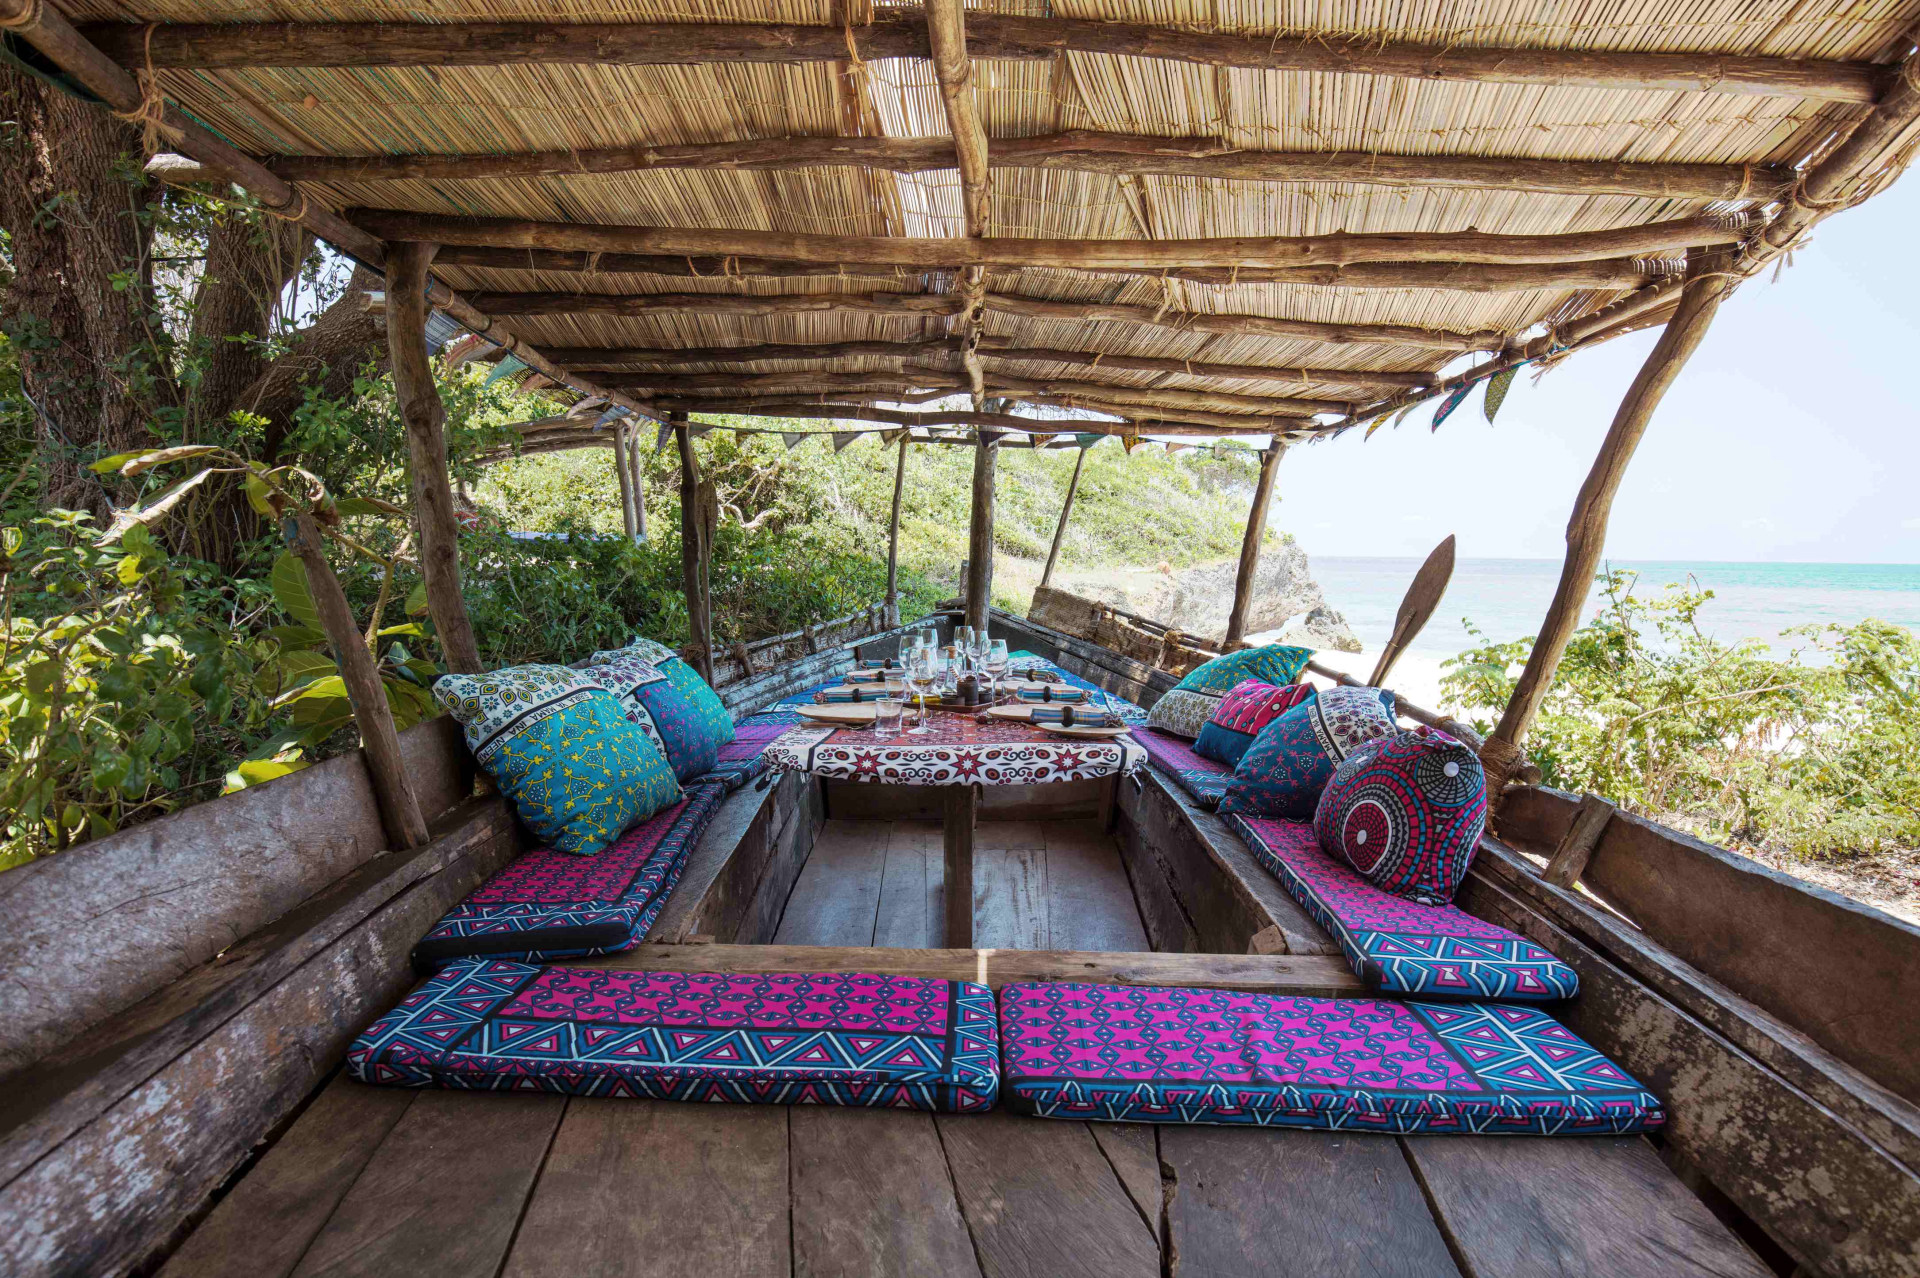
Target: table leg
1110	804
961	811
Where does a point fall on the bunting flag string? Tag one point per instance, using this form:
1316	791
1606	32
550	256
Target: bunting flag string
794	439
1129	442
1454	399
1497	387
696	432
509	366
841	438
660	441
1041	441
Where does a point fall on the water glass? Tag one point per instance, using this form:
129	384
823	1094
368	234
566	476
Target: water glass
886	718
995	660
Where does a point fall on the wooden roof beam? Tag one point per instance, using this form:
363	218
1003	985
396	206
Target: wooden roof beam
613	358
1222	402
1650	238
953	71
1004	349
904	34
1134	423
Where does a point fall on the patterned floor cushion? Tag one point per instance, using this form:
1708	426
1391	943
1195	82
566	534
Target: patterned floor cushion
1130	1054
826	1039
744	758
1396	946
1204	780
548	905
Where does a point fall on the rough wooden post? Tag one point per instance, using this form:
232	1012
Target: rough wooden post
636	465
693	552
379	742
425	416
979	583
1587	528
891	617
1250	546
625	480
1060	529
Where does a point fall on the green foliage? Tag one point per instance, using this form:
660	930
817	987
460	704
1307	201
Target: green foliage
1812	754
128	682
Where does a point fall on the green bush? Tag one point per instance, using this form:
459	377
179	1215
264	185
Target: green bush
1814	754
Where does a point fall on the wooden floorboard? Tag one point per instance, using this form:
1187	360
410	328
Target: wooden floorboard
1133	1151
658	1189
1041	1200
1572	1206
1090	905
912	909
1009	895
442	1193
837	898
873	1198
263	1227
1297	1205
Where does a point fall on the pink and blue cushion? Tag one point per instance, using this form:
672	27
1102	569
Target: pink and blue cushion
1242	715
662	711
1396	946
781	1039
1293	758
548	905
1407	812
745	757
1128	1054
1204	780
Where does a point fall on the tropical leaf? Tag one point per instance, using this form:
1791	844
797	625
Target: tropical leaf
305	665
368	506
292	637
291	592
154	510
405	628
259	493
1497	386
417	601
255	771
146	461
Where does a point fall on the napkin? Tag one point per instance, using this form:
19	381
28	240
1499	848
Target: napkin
1081	718
864	695
1072	696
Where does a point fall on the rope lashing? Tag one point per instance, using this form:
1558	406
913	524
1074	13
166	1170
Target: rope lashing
28	17
151	113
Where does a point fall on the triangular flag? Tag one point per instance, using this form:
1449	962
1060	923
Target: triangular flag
841	438
1497	390
1456	398
611	415
793	440
1129	441
509	366
666	433
1041	441
1173	448
697	431
441	329
1088	441
1378	422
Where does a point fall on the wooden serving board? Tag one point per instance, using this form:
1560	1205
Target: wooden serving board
1077	730
854	714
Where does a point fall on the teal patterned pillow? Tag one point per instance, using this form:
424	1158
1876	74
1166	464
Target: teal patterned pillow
709	712
1275	663
557	744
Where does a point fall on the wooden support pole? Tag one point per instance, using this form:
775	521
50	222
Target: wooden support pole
625	480
425	418
893	533
694	552
960	813
636	462
379	742
1570	859
1060	529
1587	528
979	585
1250	546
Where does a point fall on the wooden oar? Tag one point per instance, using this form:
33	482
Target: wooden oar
1423	596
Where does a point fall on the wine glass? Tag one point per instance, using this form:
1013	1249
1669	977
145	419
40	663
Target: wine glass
922	672
963	641
994	659
977	643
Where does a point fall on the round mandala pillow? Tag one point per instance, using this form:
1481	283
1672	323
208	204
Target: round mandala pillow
1406	812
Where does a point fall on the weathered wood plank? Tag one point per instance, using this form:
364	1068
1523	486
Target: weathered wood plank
1830	1196
794	838
644	1189
1089	903
1133	1150
723	869
442	1193
872	1196
1009	895
960	813
1062	799
266	1224
837	898
1312	1204
117	1187
1040	1200
1848	962
1601	1206
912	895
1302	975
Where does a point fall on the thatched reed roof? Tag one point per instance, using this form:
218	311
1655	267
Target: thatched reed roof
559	129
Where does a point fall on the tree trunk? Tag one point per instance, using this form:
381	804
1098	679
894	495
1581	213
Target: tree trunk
92	356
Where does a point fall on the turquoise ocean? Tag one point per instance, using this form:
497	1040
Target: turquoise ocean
1505	598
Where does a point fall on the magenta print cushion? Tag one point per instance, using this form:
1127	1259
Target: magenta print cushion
1407	812
1395	945
1241	715
1131	1054
1204	780
838	1038
1290	762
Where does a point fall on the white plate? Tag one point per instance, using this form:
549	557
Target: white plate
1076	730
854	714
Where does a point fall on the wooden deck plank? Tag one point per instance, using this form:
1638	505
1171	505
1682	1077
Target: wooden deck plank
1133	1149
266	1224
1041	1202
1009	895
1573	1206
912	894
872	1196
442	1193
1296	975
646	1189
1314	1204
1090	905
837	898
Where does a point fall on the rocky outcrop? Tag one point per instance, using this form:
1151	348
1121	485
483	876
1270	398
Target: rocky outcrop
1197	600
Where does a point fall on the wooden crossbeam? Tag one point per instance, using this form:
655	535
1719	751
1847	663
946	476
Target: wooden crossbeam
1160	397
904	35
812	379
936	254
1241	325
1081	150
1005	349
640	304
1136	420
610	358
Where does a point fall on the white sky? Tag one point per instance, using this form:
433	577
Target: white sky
1793	434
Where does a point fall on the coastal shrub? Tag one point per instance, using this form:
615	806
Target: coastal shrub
1815	753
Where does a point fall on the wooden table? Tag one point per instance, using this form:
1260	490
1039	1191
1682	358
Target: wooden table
961	754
